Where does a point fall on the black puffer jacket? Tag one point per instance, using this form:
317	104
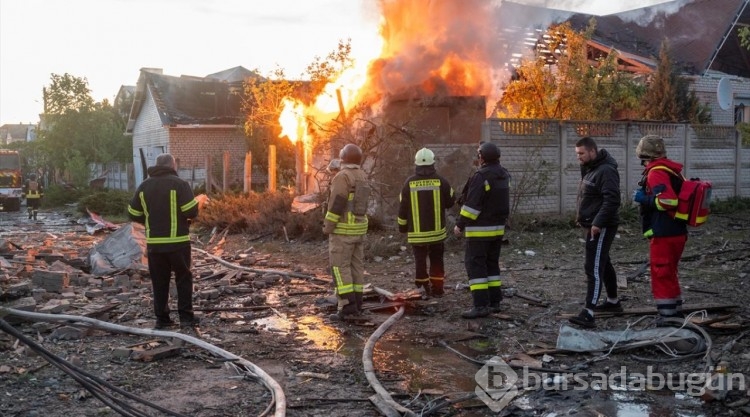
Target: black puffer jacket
599	192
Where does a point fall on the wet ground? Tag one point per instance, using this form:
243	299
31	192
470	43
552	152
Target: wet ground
428	360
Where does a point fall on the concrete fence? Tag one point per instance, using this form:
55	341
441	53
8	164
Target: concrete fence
541	157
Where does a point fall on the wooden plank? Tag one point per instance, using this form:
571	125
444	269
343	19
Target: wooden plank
643	311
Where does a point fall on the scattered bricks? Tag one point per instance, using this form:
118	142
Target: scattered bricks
16	291
125	296
111	290
50	280
49	256
39	294
122	281
211	294
55	307
23	304
93	293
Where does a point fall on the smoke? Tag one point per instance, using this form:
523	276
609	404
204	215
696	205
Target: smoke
653	15
458	48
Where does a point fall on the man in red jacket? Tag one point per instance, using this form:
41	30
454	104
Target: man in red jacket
657	197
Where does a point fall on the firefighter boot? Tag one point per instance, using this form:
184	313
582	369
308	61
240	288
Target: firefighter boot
30	210
423	283
358	298
34	214
436	284
481	305
496	295
347	308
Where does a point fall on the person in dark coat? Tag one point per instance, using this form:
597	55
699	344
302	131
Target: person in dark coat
421	215
482	223
598	216
165	203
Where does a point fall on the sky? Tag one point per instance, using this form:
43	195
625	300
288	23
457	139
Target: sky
109	41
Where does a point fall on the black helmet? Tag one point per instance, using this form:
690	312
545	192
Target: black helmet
32	177
351	154
489	152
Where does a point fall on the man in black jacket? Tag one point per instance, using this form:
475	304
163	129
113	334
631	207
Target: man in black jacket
421	215
482	222
598	205
164	203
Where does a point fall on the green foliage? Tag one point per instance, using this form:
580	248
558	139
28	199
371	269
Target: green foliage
78	131
744	129
668	96
106	202
253	213
730	205
59	196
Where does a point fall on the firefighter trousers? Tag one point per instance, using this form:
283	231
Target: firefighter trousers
347	258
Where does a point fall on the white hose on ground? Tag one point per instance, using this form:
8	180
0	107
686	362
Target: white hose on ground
370	369
267	380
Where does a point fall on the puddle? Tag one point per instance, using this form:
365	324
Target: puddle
424	367
311	328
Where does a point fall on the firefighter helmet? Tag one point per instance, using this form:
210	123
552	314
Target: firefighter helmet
650	147
351	154
32	177
424	157
489	152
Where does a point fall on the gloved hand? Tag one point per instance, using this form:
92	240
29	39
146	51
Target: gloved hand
639	196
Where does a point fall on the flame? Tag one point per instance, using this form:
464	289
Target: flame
292	120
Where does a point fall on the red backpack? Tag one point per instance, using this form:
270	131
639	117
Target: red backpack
693	198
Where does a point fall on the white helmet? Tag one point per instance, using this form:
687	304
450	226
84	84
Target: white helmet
424	157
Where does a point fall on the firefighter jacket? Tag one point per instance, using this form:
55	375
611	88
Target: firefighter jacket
422	203
599	192
341	217
657	213
164	203
32	190
487	205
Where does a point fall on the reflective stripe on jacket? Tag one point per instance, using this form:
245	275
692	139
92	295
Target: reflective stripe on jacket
422	204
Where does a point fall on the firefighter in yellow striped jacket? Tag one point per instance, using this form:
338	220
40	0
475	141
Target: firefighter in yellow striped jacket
164	204
482	222
421	215
345	224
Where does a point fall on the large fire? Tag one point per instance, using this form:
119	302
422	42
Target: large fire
429	48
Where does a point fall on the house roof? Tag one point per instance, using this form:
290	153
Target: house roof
187	100
702	35
15	132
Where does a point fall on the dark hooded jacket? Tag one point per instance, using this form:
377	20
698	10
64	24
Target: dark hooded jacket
164	203
599	192
487	206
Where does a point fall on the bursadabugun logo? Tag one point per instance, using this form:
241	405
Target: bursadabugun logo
496	384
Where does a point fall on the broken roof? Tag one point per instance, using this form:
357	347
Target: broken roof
702	35
187	100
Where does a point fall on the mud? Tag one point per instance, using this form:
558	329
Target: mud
426	359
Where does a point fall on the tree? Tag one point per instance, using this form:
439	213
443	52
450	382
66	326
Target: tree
77	130
562	81
669	97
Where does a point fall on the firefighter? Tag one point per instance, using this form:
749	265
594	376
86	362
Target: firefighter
421	215
346	224
667	236
33	192
165	203
482	222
